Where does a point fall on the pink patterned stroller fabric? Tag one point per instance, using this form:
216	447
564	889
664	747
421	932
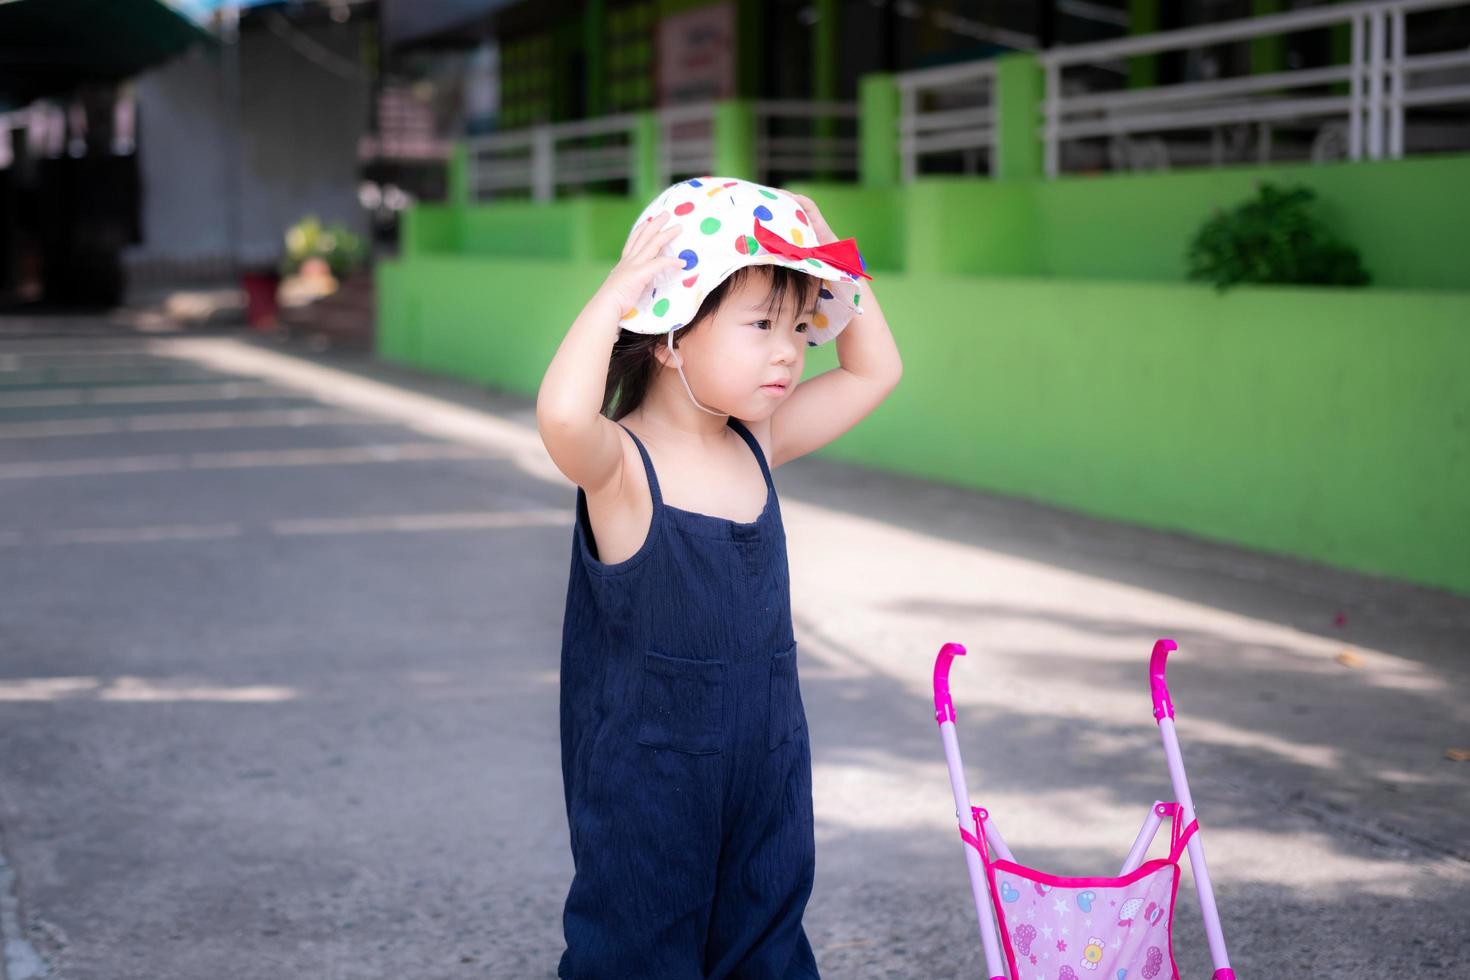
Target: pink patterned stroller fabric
1084	928
1039	926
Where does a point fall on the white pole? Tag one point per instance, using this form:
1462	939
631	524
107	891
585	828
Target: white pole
1355	98
1375	85
1214	933
1143	840
1164	714
908	107
543	176
1396	92
979	885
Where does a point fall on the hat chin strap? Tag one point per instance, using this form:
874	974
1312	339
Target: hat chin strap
679	365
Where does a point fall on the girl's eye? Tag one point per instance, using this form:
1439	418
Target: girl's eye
759	322
801	328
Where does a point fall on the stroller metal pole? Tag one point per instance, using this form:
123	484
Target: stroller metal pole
1164	713
979	885
1143	840
997	842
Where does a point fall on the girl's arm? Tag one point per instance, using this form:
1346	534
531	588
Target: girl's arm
823	408
583	443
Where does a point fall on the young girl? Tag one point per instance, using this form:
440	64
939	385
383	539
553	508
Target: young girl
685	757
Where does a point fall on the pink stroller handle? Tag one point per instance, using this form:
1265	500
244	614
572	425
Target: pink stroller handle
1163	706
943	705
967	815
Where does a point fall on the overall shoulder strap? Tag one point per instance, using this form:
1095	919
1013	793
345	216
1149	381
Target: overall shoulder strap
647	467
755	447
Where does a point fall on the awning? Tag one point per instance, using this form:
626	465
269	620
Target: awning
48	46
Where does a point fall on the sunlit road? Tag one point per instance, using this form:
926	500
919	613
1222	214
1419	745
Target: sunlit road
278	686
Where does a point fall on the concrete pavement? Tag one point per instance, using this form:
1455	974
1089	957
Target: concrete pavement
278	676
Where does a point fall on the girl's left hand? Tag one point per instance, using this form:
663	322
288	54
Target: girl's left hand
819	223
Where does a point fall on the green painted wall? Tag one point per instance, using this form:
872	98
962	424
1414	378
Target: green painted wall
1330	424
963	226
427	228
496	321
1410	219
878	106
597	227
580	227
1019	91
1051	351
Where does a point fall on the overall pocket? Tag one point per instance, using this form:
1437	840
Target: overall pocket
786	715
683	704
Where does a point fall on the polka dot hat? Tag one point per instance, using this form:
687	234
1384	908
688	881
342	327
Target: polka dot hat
726	223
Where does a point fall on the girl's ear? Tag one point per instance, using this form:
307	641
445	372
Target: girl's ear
670	358
661	351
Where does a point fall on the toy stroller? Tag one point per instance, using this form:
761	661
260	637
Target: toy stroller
1056	928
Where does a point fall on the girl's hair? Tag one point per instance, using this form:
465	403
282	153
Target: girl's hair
633	364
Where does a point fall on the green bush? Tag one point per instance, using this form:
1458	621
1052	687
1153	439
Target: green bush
1273	238
342	248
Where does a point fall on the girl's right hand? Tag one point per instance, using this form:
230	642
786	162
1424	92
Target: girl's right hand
640	263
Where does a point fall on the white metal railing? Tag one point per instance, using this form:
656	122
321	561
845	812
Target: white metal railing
803	152
964	120
539	159
1379	76
952	108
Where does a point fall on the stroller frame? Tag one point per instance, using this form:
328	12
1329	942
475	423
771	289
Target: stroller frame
986	851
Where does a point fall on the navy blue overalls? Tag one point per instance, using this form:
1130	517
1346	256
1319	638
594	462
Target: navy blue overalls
685	756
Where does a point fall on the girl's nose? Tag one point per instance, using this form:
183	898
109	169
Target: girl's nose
787	349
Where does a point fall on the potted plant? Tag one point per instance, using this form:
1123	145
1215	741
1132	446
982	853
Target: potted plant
1276	237
340	249
318	262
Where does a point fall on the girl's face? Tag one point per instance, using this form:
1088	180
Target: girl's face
733	360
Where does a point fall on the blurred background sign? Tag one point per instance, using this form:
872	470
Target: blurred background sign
696	55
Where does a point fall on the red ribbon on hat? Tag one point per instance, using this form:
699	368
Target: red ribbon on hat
842	255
